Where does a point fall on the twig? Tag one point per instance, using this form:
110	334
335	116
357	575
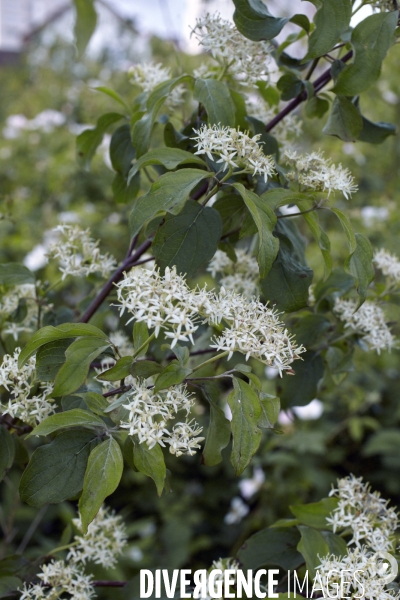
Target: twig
31	529
105	583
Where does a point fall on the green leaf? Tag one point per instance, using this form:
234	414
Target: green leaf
112	94
122	192
312	546
246	410
71	418
331	20
337	280
316	513
302	21
145	368
231	209
255	22
321	238
102	476
140	335
95	402
85	23
310	330
348	228
271	546
217	100
7	451
55	471
15	274
265	220
219	429
316	107
376	133
359	264
302	388
169	158
119	371
386	442
151	463
173	374
50	358
122	152
337	545
270	407
169	193
10	586
371	39
188	240
78	355
89	140
61	332
290	85
345	121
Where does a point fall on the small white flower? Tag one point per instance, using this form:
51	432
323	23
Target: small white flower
57	578
241	276
149	75
389	264
237	511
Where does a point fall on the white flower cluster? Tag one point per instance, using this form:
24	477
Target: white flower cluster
245	60
235	149
365	512
103	543
241	276
384	5
57	578
389	264
19	384
45	121
149	413
285	132
315	172
149	75
167	303
368	321
9	303
368	582
79	254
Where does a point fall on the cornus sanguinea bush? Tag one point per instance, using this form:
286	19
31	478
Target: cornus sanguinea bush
170	321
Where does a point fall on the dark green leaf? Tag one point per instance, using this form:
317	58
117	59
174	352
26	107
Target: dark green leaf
217	100
140	335
120	370
15	274
89	140
122	152
7	451
102	476
310	329
50	358
359	264
271	546
168	193
371	39
316	513
151	463
255	22
169	158
122	192
345	121
55	472
313	546
321	238
376	133
231	209
10	586
188	240
270	407
269	142
290	85
316	107
219	429
71	418
246	411
171	375
348	228
95	402
302	21
331	20
300	389
85	23
145	368
386	442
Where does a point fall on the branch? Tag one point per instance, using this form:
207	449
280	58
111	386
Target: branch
106	583
318	85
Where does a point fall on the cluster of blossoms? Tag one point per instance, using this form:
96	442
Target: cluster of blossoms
365	512
19	384
241	276
168	303
386	5
246	60
149	413
235	148
389	264
314	172
149	75
369	581
368	321
10	302
101	545
79	254
285	132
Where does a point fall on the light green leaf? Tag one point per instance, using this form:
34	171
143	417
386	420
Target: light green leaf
345	121
71	418
331	20
7	451
55	471
85	23
312	546
140	335
78	355
217	101
316	513
219	429
169	158
89	140
119	371
15	274
113	94
265	220
188	240
270	407
246	410
348	228
151	463
255	22
95	402
371	39
173	374
169	193
359	264
61	332
102	476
